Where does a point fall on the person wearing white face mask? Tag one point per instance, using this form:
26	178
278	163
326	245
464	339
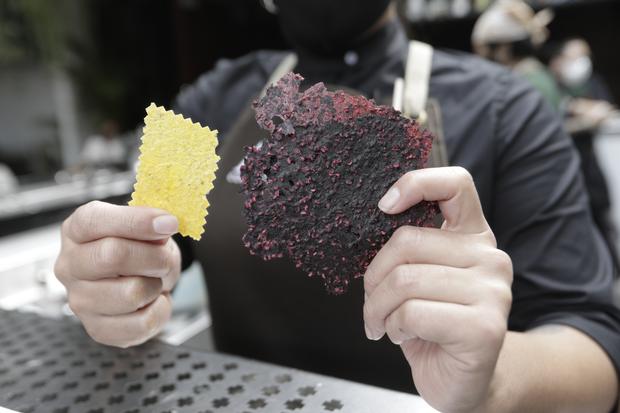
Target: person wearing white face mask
587	101
576	72
573	69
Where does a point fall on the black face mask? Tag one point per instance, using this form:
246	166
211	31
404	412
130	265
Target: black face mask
328	27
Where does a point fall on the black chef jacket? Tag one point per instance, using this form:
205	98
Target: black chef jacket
527	175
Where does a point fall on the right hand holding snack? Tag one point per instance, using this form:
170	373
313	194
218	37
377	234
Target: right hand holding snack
119	265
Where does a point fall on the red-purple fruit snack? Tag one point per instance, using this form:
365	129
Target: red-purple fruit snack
311	189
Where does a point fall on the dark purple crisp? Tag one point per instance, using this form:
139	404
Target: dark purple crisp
311	189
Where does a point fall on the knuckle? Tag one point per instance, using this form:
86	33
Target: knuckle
60	269
491	327
85	217
93	205
407	314
369	282
150	322
488	237
131	222
64	266
135	292
501	293
65	227
391	325
409	178
505	296
401	234
75	303
402	278
173	277
175	255
406	236
166	259
462	176
501	263
110	253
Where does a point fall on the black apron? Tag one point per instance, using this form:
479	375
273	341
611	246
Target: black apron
270	310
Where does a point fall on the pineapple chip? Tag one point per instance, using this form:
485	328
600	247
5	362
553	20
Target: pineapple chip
176	168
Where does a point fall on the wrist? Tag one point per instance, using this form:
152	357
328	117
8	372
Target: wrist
501	390
495	400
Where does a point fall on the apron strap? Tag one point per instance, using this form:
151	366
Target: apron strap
411	93
411	98
417	78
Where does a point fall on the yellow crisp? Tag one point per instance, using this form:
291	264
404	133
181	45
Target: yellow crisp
176	169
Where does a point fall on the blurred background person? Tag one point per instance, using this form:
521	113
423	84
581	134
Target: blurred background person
587	103
572	66
587	100
105	149
510	33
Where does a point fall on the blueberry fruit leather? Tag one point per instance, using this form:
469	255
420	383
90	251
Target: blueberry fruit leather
311	189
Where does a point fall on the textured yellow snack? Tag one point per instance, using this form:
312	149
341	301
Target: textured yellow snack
177	168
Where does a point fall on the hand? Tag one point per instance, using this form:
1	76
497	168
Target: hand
443	295
119	265
591	113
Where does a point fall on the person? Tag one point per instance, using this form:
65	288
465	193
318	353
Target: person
587	103
510	33
572	66
506	307
106	149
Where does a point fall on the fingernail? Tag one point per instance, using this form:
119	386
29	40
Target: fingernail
389	200
166	224
370	335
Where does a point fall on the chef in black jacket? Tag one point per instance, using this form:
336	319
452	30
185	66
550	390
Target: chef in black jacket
507	307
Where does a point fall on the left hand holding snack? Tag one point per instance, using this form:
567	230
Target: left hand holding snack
443	295
119	263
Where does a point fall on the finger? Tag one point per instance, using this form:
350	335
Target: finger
171	278
114	296
97	220
113	257
421	281
452	187
412	245
433	321
129	329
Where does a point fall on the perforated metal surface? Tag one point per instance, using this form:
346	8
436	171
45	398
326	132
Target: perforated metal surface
52	366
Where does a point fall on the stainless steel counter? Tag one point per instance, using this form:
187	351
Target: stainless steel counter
77	190
52	366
